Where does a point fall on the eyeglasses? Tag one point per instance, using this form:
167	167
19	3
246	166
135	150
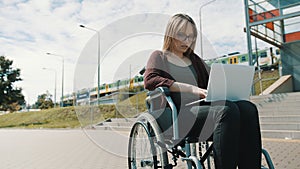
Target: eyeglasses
182	37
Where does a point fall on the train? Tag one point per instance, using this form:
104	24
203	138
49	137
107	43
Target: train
90	94
266	58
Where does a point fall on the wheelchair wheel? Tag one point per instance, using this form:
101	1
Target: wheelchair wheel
143	150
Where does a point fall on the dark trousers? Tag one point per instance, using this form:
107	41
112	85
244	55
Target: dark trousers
234	127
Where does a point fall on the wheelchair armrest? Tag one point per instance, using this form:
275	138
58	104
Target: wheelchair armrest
155	94
159	91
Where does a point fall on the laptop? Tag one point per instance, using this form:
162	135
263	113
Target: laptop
228	82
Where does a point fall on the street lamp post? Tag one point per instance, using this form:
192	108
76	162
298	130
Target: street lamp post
55	73
62	77
200	26
98	60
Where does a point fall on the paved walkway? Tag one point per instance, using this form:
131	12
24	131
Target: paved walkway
54	149
285	154
75	149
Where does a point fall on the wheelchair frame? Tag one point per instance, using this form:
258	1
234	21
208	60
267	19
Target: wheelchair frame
146	135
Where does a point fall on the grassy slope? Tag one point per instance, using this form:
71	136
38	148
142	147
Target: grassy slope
51	118
74	117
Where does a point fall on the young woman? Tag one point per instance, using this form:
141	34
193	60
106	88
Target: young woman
234	126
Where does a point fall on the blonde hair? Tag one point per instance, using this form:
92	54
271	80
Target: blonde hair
176	23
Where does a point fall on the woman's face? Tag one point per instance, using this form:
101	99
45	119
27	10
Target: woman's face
183	39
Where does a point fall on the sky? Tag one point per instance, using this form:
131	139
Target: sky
129	30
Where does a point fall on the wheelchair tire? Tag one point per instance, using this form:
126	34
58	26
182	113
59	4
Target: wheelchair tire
143	150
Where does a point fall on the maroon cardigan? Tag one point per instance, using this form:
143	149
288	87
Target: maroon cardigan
156	74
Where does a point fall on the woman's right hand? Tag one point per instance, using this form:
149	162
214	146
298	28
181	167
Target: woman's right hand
183	87
200	92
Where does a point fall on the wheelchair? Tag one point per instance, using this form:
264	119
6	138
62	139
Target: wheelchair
155	142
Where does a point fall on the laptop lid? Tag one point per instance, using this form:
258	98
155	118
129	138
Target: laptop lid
230	82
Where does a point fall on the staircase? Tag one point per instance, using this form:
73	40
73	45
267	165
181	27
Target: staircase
279	115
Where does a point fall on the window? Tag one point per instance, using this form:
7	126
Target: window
141	78
263	54
243	59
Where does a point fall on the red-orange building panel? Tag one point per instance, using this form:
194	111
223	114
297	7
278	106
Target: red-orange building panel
290	37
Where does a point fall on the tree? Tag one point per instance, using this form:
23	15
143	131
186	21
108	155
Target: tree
11	98
44	101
